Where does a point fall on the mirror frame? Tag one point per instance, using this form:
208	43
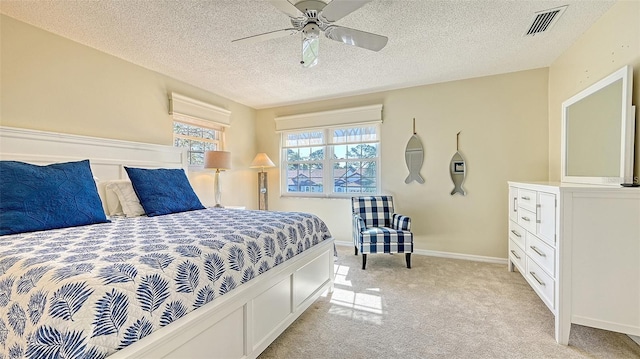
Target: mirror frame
627	130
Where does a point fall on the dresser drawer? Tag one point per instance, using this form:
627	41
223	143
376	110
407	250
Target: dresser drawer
527	199
517	234
541	282
543	254
517	256
527	219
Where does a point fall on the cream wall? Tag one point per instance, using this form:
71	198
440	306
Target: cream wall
503	124
612	42
510	125
51	83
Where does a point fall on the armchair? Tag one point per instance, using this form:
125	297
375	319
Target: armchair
377	229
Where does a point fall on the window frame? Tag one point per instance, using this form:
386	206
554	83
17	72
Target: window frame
328	161
204	124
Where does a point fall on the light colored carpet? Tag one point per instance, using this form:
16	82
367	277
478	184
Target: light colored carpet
441	308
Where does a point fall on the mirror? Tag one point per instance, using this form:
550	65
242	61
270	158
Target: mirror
598	128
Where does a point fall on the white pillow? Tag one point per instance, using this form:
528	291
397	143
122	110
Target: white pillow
127	201
112	202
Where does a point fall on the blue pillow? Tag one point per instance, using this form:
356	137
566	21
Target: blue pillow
35	198
163	191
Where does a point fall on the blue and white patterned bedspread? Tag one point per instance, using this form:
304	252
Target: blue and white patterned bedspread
88	291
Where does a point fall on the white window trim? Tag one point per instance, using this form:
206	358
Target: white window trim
190	111
327	162
220	142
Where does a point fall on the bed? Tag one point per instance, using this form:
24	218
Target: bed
204	283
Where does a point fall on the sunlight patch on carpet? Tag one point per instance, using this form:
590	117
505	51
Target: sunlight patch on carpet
365	305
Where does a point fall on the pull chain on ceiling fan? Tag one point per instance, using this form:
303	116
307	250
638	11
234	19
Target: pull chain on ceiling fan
310	17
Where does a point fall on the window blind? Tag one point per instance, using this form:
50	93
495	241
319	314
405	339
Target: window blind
349	116
190	110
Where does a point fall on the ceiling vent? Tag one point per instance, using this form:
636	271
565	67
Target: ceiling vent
544	20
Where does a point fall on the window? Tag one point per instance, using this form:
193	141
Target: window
331	162
197	126
196	137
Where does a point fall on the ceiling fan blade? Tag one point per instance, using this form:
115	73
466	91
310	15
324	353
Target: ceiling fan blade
358	38
310	47
267	36
287	8
337	9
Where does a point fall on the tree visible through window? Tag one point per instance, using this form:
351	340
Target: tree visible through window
331	161
196	139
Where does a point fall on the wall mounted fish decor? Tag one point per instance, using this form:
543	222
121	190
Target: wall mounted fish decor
414	156
458	170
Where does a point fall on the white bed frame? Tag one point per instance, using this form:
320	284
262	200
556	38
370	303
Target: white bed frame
240	324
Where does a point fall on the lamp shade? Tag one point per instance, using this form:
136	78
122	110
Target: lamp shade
220	160
261	161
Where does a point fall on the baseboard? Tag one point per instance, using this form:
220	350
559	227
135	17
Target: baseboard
424	252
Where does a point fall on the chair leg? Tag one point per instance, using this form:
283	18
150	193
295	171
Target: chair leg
408	257
356	248
364	260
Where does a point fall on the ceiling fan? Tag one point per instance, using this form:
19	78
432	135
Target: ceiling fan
310	17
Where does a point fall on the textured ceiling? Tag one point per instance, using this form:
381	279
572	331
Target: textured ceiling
429	42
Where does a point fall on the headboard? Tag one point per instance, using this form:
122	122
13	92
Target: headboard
107	156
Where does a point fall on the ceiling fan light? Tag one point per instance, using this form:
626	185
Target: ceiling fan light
310	49
311	31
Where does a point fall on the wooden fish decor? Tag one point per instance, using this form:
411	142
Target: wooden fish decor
458	170
414	157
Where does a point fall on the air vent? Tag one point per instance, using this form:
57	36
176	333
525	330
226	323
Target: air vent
544	20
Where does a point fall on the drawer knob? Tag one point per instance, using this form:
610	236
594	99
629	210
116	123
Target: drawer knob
525	219
537	279
516	233
540	253
526	198
515	254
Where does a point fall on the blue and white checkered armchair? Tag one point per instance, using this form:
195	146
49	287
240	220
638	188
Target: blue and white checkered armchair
376	229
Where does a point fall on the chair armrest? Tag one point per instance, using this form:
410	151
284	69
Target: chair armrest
358	223
358	226
401	222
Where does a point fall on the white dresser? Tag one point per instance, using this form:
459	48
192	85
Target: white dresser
578	246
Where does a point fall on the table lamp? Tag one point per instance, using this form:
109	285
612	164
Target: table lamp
220	160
